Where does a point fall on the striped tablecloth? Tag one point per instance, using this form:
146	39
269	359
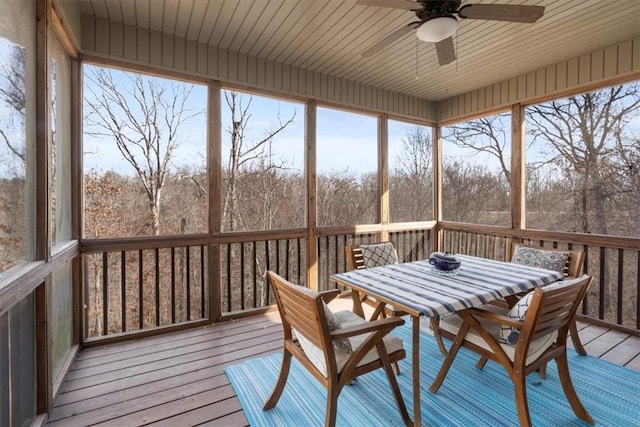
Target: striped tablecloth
415	285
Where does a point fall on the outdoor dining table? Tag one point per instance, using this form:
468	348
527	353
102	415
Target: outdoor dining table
418	289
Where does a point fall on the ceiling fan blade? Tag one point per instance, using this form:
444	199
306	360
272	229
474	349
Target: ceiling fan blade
445	51
502	12
391	38
396	4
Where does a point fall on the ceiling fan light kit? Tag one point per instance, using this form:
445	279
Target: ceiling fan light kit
438	28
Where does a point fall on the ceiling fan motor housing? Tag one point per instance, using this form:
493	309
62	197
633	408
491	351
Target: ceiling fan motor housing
437	8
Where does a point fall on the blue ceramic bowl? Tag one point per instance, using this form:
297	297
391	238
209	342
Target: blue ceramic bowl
444	261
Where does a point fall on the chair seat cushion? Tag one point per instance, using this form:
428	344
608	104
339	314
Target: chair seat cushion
453	323
346	319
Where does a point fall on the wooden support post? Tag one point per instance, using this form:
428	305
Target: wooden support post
214	166
517	173
383	175
312	208
437	186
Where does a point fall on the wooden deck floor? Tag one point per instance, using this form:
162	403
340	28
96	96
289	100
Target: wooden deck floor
178	379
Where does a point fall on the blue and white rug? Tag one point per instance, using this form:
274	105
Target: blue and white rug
468	396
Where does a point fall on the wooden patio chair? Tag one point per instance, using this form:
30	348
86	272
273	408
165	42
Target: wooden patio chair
572	268
335	347
356	261
539	329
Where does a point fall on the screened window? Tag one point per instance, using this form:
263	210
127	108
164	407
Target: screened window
476	161
582	162
347	168
263	184
410	172
145	145
60	141
17	132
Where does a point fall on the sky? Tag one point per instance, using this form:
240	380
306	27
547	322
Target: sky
346	141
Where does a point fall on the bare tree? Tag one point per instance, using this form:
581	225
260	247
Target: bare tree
411	181
581	132
490	135
245	155
13	93
144	116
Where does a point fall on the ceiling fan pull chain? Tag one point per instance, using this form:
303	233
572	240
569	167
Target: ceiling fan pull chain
417	43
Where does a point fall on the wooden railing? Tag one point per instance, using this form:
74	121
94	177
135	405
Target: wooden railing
613	262
137	289
134	285
244	263
142	284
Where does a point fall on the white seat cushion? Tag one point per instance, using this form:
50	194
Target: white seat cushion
536	348
346	319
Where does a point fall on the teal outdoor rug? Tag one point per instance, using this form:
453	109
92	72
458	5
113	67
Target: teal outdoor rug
468	397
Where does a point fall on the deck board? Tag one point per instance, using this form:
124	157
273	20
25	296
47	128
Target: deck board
178	378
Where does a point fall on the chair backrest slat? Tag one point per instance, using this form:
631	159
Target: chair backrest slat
355	261
554	306
300	309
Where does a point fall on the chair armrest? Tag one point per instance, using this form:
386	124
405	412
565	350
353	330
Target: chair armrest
366	327
495	317
329	295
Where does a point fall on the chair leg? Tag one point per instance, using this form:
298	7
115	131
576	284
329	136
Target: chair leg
394	386
542	371
569	391
481	362
522	405
282	381
332	404
577	344
444	369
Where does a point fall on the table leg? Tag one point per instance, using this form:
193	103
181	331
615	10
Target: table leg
357	303
415	354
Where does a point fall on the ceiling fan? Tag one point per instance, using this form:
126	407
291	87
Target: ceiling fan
437	21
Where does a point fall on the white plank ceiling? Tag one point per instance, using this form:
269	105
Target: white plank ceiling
328	36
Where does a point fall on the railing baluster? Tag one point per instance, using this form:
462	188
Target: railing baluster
229	296
105	293
141	288
268	266
173	285
242	276
202	282
254	274
603	260
123	290
157	283
187	255
620	284
299	256
278	256
287	259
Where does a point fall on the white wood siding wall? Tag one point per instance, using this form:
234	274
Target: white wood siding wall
611	64
128	43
